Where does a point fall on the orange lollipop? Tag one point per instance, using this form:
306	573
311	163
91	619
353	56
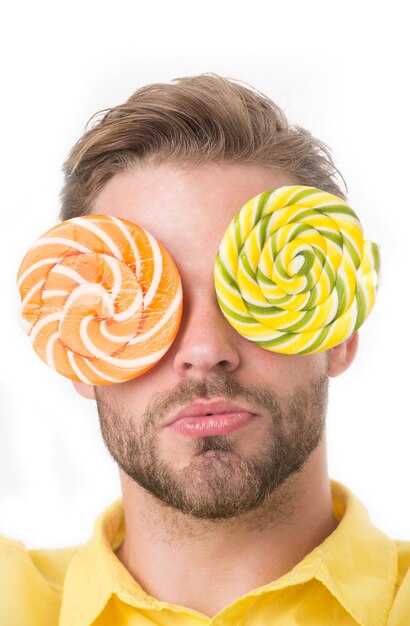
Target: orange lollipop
101	299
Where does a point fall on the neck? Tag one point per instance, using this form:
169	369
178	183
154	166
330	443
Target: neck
227	558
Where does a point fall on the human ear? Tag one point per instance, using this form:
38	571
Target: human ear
87	391
342	356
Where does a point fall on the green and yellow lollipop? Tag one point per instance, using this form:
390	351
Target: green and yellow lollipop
293	273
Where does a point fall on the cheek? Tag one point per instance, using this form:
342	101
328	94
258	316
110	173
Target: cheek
138	391
283	371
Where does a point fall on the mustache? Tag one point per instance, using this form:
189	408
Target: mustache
191	390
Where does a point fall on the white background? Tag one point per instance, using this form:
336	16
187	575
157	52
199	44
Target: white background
338	69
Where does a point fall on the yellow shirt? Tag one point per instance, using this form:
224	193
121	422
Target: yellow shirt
356	576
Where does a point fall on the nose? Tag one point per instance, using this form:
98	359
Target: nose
206	343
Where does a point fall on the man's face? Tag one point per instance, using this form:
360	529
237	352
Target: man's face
188	211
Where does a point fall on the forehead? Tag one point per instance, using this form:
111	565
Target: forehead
187	208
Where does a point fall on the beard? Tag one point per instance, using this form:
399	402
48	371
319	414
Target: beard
218	483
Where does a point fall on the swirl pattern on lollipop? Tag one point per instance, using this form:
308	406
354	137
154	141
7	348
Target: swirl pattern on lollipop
293	273
101	299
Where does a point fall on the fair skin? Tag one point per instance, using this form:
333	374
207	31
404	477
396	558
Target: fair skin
200	561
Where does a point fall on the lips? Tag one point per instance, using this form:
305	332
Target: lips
211	419
203	409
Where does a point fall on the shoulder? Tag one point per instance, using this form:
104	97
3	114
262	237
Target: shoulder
31	582
47	566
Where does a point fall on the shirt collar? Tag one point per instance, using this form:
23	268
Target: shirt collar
357	563
360	562
95	573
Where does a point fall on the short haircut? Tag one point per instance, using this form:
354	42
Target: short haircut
192	121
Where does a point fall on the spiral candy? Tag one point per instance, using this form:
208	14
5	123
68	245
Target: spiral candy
293	273
101	299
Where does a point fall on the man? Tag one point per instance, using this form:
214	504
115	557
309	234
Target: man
243	528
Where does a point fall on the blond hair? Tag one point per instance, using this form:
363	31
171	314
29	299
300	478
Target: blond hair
192	121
